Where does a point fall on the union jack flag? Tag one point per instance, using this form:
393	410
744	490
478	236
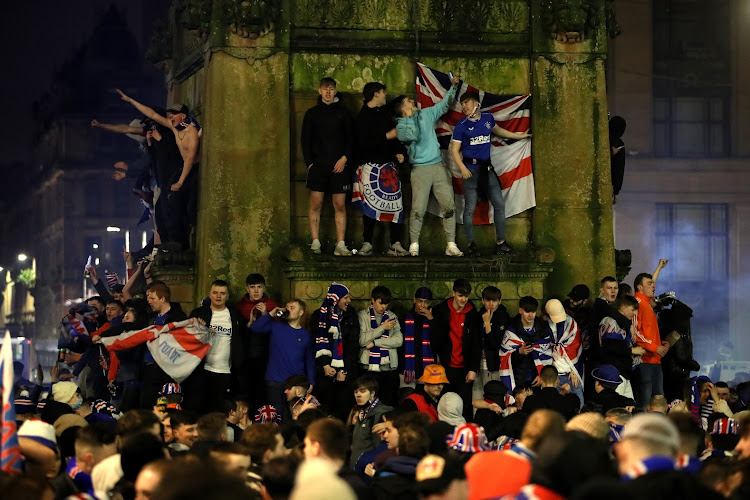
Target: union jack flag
112	278
511	158
10	451
511	343
267	414
566	345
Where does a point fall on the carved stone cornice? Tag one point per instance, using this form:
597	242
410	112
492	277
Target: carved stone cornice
569	21
252	18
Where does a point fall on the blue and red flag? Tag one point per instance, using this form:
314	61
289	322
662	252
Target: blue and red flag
10	451
510	157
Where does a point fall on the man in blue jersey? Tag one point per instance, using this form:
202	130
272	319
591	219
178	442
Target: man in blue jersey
470	149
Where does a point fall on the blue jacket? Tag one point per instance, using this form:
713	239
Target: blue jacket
417	132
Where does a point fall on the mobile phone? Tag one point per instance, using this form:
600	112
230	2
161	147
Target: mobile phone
450	74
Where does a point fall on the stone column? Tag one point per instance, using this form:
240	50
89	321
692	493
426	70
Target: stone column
244	208
571	145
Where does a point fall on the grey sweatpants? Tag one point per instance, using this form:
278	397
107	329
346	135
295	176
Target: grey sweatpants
435	178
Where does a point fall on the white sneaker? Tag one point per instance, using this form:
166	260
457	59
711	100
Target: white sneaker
315	246
366	250
397	250
414	249
452	250
341	250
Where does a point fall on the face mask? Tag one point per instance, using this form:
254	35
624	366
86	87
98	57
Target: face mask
77	404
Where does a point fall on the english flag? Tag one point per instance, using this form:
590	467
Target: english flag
10	451
177	348
511	158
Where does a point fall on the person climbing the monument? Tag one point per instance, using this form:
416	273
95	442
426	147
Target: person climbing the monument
327	139
377	189
183	198
470	149
416	129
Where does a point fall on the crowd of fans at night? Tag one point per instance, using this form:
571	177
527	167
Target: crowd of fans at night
589	397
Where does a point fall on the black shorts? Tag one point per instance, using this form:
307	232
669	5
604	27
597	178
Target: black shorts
321	178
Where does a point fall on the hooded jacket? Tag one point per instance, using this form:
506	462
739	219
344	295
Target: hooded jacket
326	133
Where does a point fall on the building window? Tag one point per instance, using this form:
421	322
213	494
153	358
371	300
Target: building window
695	239
691	126
692	78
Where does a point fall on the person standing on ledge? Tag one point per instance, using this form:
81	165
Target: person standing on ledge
327	146
473	136
416	129
184	190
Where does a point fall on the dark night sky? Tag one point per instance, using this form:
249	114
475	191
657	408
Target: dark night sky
38	37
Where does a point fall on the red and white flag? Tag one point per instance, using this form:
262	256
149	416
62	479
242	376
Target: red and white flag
177	348
511	158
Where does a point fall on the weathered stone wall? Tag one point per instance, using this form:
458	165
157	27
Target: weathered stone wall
261	68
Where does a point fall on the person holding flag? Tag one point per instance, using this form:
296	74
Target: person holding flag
416	129
470	149
10	451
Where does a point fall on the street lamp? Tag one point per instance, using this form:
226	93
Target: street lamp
22	257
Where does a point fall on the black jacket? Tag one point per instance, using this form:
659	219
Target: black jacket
395	480
491	341
370	127
326	134
549	398
609	399
524	368
418	362
442	345
237	354
599	311
349	325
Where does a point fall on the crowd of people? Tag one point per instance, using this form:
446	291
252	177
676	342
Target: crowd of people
451	400
589	397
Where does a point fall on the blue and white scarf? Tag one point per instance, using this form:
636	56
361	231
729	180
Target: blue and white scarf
379	355
328	323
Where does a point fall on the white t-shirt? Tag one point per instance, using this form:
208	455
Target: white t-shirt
218	359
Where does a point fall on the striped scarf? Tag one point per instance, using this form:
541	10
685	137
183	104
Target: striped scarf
700	412
328	324
410	360
367	408
651	464
379	355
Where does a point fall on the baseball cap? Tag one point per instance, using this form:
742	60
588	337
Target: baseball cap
653	427
176	109
435	474
579	292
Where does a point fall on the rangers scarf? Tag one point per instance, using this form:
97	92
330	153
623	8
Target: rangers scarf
379	355
328	326
410	372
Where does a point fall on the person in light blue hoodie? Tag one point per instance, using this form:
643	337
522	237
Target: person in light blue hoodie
416	129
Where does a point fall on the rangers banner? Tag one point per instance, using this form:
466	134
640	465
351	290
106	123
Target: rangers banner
511	158
177	348
377	192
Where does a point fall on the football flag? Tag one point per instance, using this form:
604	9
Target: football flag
511	158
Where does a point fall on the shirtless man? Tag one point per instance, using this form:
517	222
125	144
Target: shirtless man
186	131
